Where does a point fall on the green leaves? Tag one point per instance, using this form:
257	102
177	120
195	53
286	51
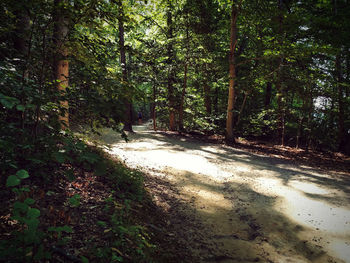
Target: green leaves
20	207
14	180
59	157
22	174
90	157
74	200
33	213
60	229
102	223
7	101
29	201
84	259
20	107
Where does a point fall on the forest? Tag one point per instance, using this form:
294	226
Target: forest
273	71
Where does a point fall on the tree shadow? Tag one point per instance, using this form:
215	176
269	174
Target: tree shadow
254	230
286	170
277	230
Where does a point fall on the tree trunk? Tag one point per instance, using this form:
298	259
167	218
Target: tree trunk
308	137
216	100
21	37
231	92
61	64
300	127
341	127
280	105
154	108
127	101
182	100
268	93
171	96
347	87
280	93
21	44
181	110
207	100
242	107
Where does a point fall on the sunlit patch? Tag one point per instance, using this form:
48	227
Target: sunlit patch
341	248
242	169
309	188
180	160
268	186
316	214
306	198
208	200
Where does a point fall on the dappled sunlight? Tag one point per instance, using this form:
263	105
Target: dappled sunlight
167	156
340	247
310	188
262	195
175	159
319	217
269	186
209	200
316	214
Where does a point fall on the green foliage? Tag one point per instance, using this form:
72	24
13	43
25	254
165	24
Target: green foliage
260	125
126	182
26	243
288	59
75	200
128	242
59	230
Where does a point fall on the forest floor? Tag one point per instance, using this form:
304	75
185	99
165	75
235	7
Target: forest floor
242	204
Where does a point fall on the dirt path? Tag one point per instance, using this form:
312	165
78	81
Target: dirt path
251	208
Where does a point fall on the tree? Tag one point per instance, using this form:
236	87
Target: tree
231	91
61	64
127	103
171	72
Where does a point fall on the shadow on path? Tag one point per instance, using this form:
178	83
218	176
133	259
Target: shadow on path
253	207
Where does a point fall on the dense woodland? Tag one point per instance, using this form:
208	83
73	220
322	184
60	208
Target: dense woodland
276	70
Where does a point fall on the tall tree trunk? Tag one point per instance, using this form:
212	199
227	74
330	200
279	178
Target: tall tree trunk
300	127
300	131
61	64
231	92
310	103
281	115
154	108
21	37
127	101
182	100
21	44
268	93
340	93
242	107
347	105
207	99
206	90
181	110
347	87
43	70
216	100
171	95
280	92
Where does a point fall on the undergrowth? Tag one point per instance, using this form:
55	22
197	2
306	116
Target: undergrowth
41	215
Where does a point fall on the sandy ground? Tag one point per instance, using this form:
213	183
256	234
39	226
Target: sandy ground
251	208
